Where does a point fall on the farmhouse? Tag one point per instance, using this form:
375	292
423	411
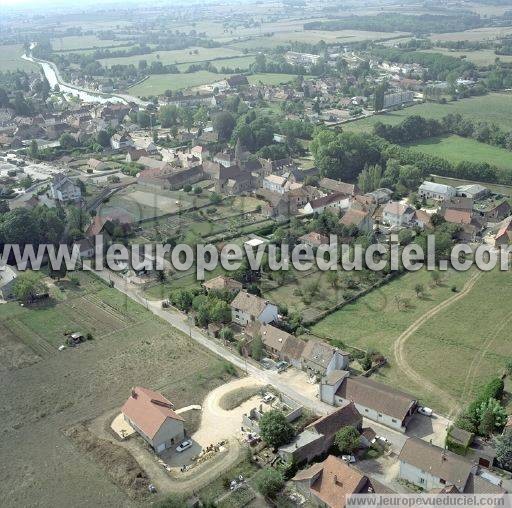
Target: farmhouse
373	400
318	437
169	178
63	189
247	308
473	191
329	483
153	418
437	191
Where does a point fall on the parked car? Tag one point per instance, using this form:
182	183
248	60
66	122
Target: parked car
184	445
282	366
425	411
268	398
349	459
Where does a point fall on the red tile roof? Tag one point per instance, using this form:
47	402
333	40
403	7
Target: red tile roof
148	410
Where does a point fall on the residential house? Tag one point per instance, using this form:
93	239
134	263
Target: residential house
200	152
359	217
120	141
328	484
232	180
153	417
380	196
247	308
318	437
375	401
336	201
398	214
319	358
422	219
7	279
348	189
432	468
436	191
225	158
64	190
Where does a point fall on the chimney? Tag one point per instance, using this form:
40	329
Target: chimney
134	393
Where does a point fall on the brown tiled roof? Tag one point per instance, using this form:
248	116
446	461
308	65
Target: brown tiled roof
273	337
397	208
293	348
377	396
252	304
222	282
327	200
148	410
344	416
336	480
478	485
314	238
337	186
457	216
317	352
353	217
424	217
444	464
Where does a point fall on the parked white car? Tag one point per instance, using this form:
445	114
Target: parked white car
349	459
184	445
425	411
268	398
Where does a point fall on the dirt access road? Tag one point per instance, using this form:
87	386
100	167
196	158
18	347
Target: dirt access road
399	347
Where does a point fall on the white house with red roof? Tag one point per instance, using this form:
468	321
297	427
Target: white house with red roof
153	417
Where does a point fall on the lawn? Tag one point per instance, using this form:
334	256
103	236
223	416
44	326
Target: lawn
469	342
375	321
10	59
494	107
189	55
455	149
159	83
271	79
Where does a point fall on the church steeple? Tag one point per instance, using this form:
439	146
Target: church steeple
238	151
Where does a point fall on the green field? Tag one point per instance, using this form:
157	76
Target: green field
455	149
375	321
494	107
270	79
159	83
481	58
478	34
190	55
469	342
242	62
75	42
10	59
